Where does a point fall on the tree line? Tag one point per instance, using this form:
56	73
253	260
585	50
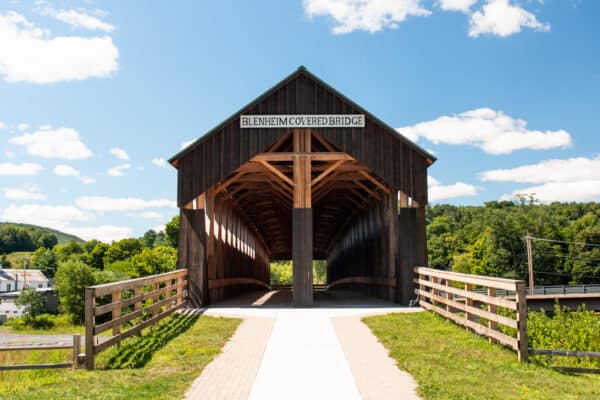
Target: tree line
489	240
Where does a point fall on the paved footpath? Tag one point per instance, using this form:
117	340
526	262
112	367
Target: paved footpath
317	353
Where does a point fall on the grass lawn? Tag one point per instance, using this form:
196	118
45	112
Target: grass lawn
449	362
159	364
16	259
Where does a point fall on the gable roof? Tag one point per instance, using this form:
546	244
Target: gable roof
301	71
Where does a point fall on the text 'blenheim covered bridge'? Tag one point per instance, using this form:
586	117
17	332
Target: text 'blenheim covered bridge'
302	173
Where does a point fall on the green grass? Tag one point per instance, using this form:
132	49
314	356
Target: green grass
448	362
160	364
62	325
16	259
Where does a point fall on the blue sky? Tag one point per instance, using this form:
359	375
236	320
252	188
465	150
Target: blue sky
95	95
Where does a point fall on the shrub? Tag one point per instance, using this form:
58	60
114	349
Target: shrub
565	330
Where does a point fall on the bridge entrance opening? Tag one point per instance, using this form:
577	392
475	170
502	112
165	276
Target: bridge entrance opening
335	185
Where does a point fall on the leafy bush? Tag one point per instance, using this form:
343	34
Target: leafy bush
565	330
42	321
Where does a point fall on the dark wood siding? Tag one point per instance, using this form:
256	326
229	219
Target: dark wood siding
214	157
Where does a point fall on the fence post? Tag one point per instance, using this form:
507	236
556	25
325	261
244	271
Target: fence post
90	303
469	302
449	296
116	313
522	351
492	308
76	350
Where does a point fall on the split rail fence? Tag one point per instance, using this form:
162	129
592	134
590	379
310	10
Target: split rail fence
453	296
75	346
128	303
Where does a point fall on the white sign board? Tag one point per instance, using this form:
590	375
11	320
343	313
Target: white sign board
303	121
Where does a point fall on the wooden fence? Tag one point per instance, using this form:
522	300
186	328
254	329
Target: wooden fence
127	302
452	295
75	346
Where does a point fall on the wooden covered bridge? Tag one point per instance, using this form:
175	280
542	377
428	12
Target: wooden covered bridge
302	173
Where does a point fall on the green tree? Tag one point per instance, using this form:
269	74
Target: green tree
70	250
155	261
122	250
172	231
47	240
72	277
97	254
33	302
45	260
149	238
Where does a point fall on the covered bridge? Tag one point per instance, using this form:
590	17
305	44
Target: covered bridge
302	173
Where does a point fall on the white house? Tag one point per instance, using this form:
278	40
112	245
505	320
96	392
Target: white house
12	280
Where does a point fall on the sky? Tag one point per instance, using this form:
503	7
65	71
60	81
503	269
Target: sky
95	96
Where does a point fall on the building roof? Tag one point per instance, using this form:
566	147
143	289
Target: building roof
300	71
10	274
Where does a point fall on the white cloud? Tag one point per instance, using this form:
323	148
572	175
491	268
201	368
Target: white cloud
28	192
457	5
159	162
187	143
22	127
563	191
573	179
499	17
438	192
159	228
493	131
86	180
79	19
31	54
57	217
9	154
104	233
65	170
147	215
2	125
119	153
367	15
63	143
569	170
20	169
118	170
103	203
45	127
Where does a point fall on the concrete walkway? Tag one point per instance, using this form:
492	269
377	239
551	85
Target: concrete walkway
323	352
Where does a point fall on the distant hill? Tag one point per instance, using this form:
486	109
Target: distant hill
60	236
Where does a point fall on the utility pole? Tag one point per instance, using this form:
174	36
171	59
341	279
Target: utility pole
530	262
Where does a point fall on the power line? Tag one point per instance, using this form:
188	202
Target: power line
565	274
564	241
565	256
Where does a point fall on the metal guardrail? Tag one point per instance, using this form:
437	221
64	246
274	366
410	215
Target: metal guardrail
564	289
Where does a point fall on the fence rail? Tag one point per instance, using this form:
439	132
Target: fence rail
127	306
75	346
452	295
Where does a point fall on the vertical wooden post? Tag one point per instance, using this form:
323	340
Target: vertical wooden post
116	313
76	350
302	226
530	263
392	216
155	286
492	308
449	296
522	351
469	302
90	303
138	304
210	240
